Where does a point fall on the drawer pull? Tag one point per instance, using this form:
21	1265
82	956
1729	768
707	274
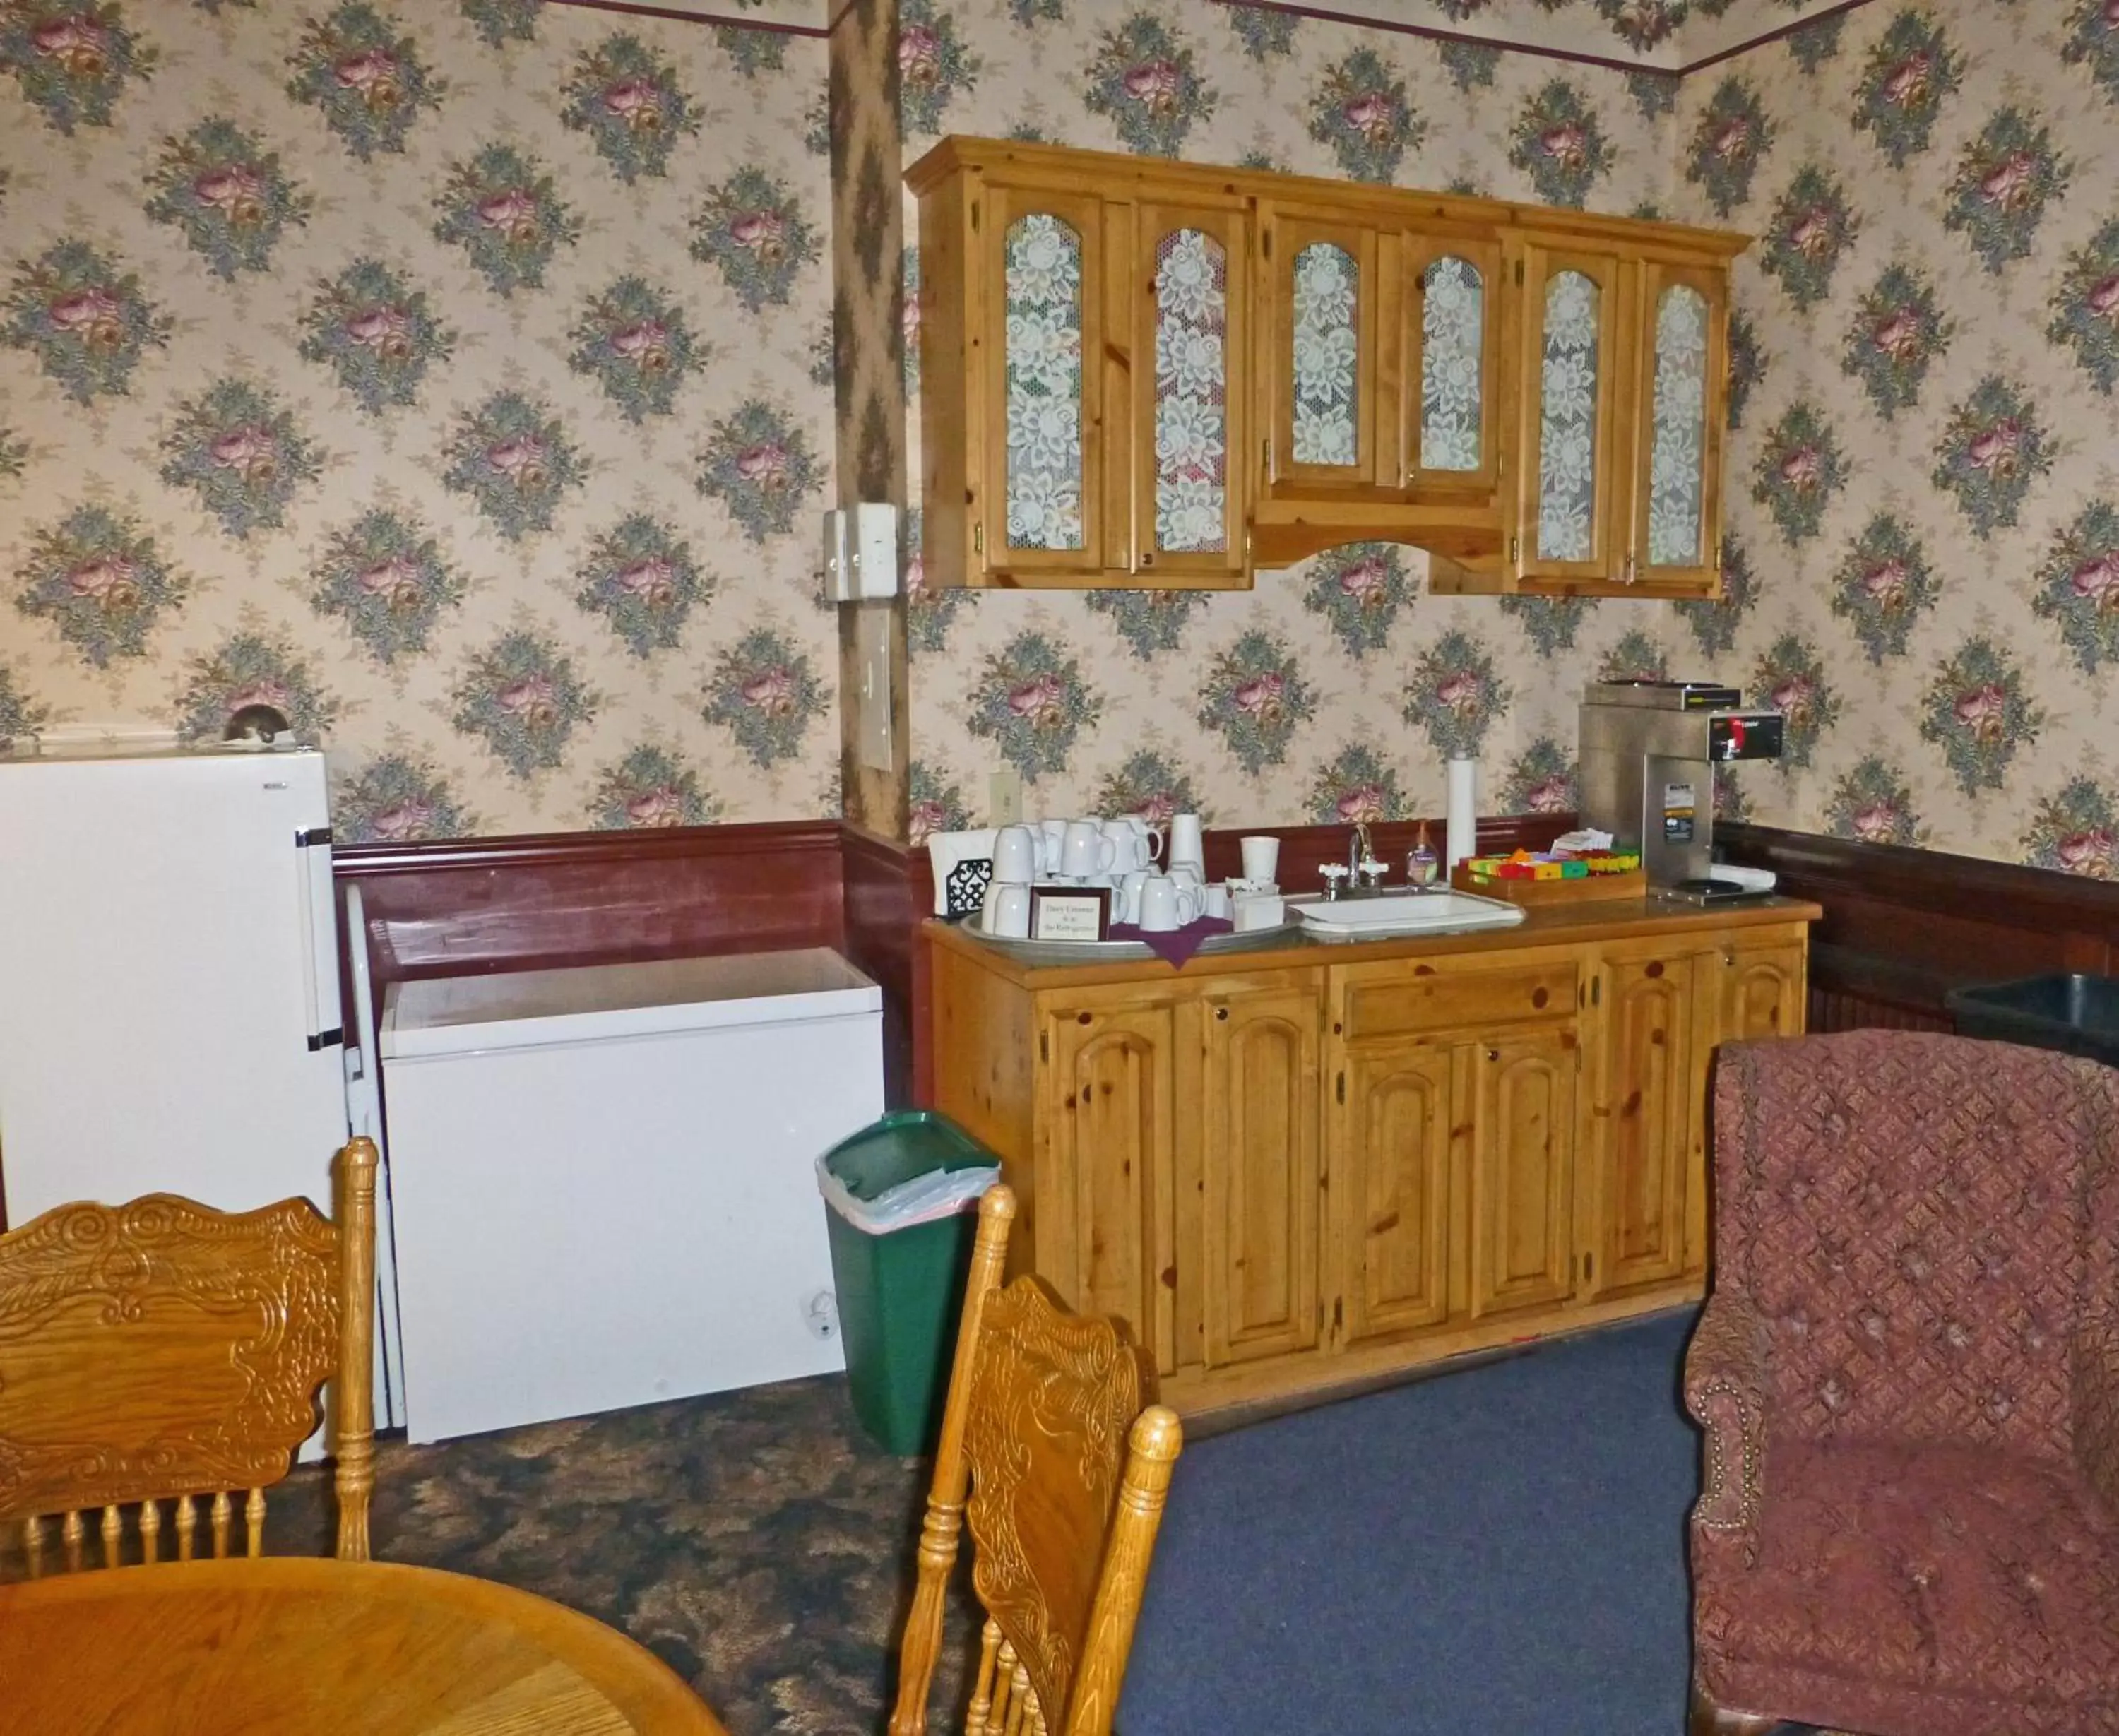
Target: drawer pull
1221	1013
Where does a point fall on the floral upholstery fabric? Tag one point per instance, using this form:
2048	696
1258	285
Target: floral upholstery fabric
1908	1383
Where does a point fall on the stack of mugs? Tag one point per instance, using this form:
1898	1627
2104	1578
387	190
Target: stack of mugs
1156	882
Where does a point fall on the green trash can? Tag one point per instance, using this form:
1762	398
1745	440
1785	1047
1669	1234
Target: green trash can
899	1199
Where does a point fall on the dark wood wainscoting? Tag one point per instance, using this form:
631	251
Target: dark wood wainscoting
1902	927
472	905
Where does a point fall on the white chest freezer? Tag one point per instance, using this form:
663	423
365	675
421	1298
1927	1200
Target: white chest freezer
604	1180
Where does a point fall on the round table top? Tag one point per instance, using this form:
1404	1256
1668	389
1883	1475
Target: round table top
322	1647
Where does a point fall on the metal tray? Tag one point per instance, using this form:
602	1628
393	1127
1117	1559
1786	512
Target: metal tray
1125	951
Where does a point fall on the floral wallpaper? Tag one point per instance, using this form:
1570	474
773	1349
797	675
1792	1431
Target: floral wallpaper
460	377
1922	482
1922	562
445	372
1338	688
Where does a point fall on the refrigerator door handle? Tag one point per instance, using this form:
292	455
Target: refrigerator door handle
320	957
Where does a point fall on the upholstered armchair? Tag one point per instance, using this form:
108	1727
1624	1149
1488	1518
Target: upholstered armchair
1908	1377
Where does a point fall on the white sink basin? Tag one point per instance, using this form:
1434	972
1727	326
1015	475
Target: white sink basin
1406	913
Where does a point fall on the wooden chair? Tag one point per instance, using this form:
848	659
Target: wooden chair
163	1351
1067	1475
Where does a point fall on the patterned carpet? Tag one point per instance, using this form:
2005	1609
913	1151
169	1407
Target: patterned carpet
757	1541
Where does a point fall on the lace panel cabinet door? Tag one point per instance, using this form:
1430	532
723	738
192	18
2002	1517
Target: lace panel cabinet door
1456	437
1574	374
1189	431
1674	536
1045	488
1331	376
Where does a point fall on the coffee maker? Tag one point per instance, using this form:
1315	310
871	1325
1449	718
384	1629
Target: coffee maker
1649	749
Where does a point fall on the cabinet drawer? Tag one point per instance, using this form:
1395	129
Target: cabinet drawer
1438	998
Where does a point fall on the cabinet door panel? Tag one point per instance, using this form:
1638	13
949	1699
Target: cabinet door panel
1261	1124
1454	353
1391	1178
1574	374
1646	1131
1763	992
1102	1232
1190	440
1044	481
1677	505
1522	1171
1331	375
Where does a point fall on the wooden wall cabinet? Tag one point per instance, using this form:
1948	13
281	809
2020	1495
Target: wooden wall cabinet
1085	375
1294	1172
1143	374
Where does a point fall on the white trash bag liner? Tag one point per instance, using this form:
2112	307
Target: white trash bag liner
939	1193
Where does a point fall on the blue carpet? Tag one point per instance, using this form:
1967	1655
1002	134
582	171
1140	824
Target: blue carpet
1483	1553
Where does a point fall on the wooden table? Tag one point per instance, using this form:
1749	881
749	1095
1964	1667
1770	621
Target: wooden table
324	1648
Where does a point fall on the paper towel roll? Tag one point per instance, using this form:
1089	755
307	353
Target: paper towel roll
1463	813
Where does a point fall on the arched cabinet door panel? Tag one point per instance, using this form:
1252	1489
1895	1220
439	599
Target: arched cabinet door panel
1101	1210
1522	1170
1676	532
1045	488
1330	299
1574	377
1190	433
1456	439
1261	1126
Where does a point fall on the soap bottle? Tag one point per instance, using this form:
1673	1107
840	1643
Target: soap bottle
1421	866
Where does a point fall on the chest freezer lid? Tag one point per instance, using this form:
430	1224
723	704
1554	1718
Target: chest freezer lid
528	1009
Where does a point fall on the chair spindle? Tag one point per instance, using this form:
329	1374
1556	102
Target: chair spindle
151	1532
186	1525
1003	1685
114	1534
220	1513
72	1531
254	1523
1018	1701
33	1545
975	1720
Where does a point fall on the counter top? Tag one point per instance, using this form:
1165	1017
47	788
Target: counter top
1599	921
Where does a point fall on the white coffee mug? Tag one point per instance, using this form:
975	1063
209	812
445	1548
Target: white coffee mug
1051	837
1133	844
1214	901
1126	900
1085	850
1189	876
1159	904
1008	912
1186	842
1261	859
1166	903
1015	855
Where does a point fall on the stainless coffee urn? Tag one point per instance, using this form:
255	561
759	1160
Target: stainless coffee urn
1649	749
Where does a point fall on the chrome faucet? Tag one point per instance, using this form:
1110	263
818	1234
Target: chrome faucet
1362	867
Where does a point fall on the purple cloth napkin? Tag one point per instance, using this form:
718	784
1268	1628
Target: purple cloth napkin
1176	945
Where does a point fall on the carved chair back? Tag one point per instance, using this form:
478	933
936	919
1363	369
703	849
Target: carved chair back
1067	1473
1908	1213
164	1352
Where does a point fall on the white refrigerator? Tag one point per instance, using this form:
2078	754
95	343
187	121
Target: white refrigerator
169	1017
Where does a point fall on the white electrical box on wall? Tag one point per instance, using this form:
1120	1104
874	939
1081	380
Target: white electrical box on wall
860	552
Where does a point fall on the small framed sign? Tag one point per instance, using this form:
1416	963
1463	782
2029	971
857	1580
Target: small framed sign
1069	913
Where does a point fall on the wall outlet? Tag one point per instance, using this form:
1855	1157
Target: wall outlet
820	1314
1004	797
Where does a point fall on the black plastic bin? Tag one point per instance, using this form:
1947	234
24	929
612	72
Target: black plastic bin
2076	1013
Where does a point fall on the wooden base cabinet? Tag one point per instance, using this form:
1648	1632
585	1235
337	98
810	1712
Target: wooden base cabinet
1312	1171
